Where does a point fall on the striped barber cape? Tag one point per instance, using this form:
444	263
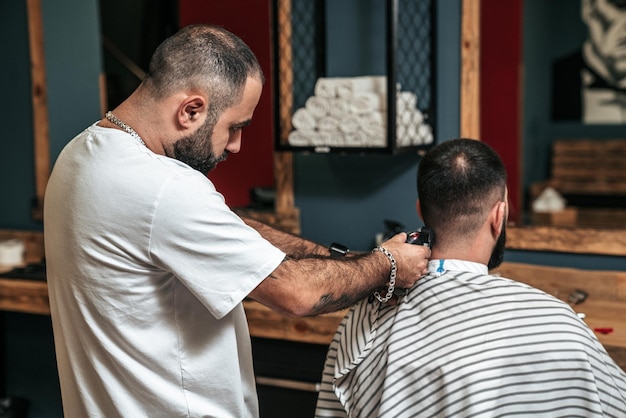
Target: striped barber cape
462	343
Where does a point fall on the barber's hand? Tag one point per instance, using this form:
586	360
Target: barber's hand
411	260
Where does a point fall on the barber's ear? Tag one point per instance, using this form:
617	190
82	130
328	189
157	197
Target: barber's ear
190	111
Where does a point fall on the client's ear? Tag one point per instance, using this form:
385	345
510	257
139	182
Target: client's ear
418	207
498	218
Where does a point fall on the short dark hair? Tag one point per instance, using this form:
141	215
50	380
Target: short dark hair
203	57
458	182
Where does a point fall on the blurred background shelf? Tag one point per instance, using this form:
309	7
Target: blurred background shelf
397	43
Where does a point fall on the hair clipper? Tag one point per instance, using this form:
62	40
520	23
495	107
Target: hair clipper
423	236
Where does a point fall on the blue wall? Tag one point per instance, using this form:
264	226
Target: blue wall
73	65
72	59
16	158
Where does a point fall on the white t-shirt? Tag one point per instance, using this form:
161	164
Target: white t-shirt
147	268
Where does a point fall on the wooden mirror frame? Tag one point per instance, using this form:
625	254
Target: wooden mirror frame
532	238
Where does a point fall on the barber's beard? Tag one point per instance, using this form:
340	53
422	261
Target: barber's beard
196	150
497	255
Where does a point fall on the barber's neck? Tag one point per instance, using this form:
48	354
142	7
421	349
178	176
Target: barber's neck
147	118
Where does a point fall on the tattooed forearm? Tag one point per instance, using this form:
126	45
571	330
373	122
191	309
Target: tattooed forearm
327	303
313	283
346	293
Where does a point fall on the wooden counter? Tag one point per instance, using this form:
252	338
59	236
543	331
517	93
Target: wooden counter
604	309
31	296
28	296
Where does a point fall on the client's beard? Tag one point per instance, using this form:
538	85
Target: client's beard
497	255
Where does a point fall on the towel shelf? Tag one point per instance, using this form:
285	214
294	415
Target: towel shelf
386	103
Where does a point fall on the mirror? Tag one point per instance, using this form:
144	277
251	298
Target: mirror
522	236
573	117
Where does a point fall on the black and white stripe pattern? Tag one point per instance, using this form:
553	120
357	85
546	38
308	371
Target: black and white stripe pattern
462	343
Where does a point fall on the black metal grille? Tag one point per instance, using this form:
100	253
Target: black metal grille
415	52
308	57
300	57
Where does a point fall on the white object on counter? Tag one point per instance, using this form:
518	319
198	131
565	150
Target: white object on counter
11	253
549	201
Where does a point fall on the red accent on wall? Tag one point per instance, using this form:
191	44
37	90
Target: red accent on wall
500	88
253	165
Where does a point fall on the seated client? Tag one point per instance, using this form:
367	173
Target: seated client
463	342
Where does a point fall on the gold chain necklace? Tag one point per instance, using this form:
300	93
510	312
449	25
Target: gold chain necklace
114	120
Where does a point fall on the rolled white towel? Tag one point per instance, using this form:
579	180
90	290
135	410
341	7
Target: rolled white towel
372	120
347	88
339	108
368	102
355	139
317	106
335	139
406	135
406	100
322	139
327	86
377	137
424	135
407	127
300	139
349	123
376	140
328	124
413	117
303	119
